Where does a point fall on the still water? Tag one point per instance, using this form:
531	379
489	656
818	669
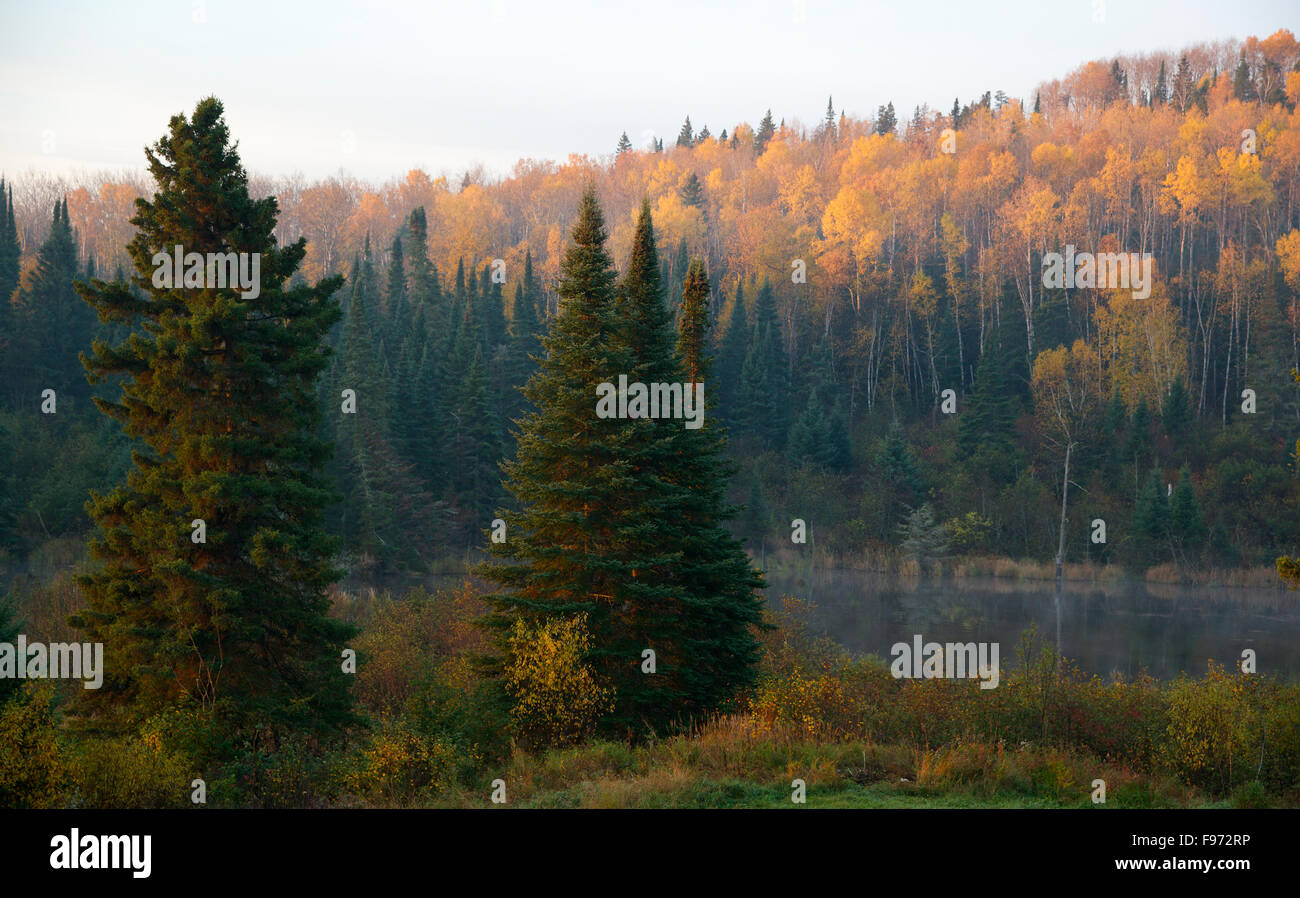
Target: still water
1128	628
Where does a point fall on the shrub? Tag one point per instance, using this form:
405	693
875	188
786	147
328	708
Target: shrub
557	700
33	769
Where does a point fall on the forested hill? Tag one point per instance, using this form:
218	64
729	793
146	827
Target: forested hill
860	268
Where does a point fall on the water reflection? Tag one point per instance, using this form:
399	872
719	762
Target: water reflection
1123	628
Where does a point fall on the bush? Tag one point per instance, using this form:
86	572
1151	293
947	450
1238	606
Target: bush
33	770
557	700
401	766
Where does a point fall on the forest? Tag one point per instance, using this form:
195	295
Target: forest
227	492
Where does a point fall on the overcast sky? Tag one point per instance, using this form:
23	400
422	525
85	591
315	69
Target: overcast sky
377	88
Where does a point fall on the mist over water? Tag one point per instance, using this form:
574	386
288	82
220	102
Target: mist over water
1125	628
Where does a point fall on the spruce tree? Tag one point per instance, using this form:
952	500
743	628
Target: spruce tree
605	521
720	606
764	382
764	133
10	247
58	325
218	390
567	477
686	137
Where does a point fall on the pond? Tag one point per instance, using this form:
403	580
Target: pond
1103	628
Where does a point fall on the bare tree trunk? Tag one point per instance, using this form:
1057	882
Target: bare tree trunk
1065	492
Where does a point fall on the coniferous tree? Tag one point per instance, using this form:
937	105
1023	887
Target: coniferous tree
1151	519
720	608
764	134
1186	524
218	389
624	145
58	326
395	295
886	120
764	391
10	248
567	476
686	137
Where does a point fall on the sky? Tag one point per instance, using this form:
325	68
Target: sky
378	88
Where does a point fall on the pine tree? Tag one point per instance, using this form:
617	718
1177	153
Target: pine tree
422	286
566	477
10	248
1160	93
764	133
1177	412
924	539
58	325
720	606
828	124
693	327
1151	518
986	436
494	313
692	193
395	295
605	505
624	145
686	137
886	120
522	347
1186	525
219	390
764	384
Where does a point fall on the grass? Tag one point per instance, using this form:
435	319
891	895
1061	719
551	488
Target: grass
727	765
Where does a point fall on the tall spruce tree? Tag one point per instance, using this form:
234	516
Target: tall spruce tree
218	389
604	510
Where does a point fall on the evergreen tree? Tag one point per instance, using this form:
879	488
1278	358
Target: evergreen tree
58	325
886	120
764	133
1177	413
924	539
686	137
897	465
1160	93
10	248
1186	524
692	193
764	390
422	285
219	390
1151	518
986	428
720	605
693	328
624	145
608	537
494	313
828	124
395	295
